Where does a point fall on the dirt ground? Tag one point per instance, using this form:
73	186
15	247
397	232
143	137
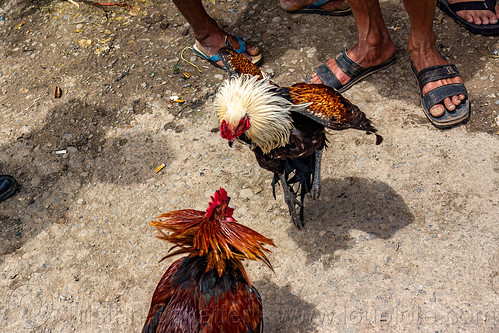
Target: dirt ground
403	238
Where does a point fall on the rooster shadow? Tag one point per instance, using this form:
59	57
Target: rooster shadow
283	311
346	204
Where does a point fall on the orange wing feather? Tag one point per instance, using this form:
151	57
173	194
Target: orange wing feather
329	107
236	63
326	102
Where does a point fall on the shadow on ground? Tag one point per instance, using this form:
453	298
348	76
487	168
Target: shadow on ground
344	205
50	182
283	311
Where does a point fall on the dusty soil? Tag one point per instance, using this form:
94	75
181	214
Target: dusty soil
403	238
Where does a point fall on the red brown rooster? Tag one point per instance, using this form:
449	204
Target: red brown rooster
208	290
285	127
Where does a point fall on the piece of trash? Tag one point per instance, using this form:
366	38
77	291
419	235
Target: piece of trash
176	99
127	6
85	43
158	169
57	92
60	152
190	63
186	75
19	25
74	3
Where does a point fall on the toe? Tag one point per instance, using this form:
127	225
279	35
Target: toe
252	50
437	110
449	105
315	79
456	100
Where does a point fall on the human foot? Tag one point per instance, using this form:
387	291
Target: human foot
478	17
329	6
210	46
431	58
368	58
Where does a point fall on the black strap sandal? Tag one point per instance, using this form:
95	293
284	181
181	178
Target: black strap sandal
482	29
437	95
350	68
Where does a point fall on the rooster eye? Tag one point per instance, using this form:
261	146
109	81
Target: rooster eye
243	126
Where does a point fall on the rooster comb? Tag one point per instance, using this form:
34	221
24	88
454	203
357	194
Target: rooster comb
220	197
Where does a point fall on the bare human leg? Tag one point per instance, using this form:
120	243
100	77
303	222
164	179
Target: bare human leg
421	45
374	45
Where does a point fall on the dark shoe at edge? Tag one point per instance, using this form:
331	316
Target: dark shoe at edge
8	186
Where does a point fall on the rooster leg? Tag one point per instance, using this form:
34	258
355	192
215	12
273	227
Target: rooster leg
291	200
316	185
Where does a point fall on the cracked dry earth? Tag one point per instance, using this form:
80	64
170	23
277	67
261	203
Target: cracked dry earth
403	238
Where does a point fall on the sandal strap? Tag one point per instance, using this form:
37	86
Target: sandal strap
240	50
435	73
474	5
318	4
327	76
438	94
347	65
242	45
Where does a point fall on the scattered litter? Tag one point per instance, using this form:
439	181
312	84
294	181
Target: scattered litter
74	3
186	75
85	43
57	92
19	25
127	6
176	99
176	69
187	61
60	152
158	169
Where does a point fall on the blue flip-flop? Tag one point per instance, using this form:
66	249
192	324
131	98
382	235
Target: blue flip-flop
256	59
315	8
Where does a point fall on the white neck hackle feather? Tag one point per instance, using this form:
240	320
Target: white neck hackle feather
268	112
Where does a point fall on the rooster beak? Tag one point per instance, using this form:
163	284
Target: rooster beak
231	142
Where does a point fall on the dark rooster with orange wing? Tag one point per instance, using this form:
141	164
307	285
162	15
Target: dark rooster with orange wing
285	127
208	290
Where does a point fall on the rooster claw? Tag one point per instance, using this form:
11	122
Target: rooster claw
292	201
315	192
297	222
